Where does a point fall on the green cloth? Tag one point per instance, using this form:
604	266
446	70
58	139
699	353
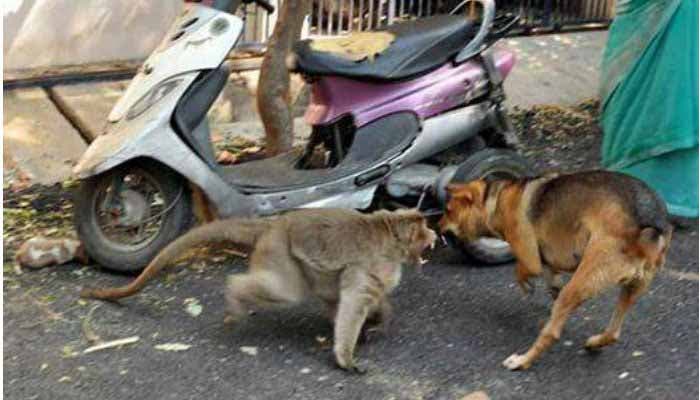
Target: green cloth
649	98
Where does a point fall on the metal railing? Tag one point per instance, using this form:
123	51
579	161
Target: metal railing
341	17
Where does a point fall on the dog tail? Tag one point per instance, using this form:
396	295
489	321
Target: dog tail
652	244
240	231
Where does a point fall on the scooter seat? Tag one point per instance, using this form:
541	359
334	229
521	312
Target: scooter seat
419	46
374	144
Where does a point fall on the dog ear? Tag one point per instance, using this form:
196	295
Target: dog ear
464	196
452	188
479	190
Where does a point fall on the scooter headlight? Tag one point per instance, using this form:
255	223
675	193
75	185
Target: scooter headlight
151	97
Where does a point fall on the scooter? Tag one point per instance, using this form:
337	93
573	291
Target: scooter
386	133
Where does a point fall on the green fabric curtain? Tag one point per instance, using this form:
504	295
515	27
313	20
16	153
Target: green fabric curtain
649	98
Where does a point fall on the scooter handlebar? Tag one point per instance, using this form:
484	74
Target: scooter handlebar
474	46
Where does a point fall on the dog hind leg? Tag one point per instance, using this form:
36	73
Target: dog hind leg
586	282
629	294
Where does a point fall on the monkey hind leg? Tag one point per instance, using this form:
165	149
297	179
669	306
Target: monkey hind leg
263	289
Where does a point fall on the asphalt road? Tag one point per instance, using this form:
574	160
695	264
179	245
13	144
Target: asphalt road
455	323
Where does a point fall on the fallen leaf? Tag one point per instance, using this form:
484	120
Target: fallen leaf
226	158
250	350
68	351
252	150
193	307
172	346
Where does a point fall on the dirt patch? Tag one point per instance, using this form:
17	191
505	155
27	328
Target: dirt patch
558	138
36	211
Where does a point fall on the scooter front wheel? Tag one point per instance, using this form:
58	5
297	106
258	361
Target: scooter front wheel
125	216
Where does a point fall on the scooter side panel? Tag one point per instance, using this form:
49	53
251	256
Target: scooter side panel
199	39
150	135
111	148
428	95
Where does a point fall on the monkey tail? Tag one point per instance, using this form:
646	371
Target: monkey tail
243	232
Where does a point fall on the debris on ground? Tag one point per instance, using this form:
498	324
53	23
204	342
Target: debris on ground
249	350
192	306
68	352
559	138
112	344
478	395
36	211
551	121
88	332
39	252
172	347
238	149
226	158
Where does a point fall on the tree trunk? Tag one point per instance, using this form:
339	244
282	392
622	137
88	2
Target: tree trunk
273	96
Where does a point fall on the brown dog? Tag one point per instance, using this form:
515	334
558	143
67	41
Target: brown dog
607	228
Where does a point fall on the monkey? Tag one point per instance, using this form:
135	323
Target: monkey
349	260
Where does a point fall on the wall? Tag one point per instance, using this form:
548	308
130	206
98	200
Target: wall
40	33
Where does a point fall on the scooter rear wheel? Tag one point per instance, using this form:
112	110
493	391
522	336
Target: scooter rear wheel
490	163
125	216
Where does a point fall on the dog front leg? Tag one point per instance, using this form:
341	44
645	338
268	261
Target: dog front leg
529	264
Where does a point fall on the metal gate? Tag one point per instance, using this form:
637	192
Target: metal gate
337	17
340	17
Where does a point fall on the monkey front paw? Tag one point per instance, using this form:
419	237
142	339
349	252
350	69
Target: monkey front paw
359	369
516	361
346	361
351	366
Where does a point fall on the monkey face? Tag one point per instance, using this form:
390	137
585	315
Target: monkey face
421	238
465	213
